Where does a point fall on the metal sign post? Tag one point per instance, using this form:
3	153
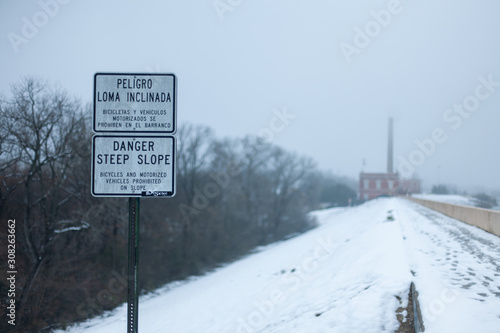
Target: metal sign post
135	165
133	265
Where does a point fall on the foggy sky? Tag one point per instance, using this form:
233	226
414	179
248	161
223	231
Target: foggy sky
317	77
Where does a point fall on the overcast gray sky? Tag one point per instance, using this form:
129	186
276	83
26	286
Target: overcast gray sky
322	76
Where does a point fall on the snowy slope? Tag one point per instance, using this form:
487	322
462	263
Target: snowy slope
343	276
455	199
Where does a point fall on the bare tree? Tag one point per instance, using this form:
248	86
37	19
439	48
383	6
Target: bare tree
9	156
194	153
288	171
194	147
46	129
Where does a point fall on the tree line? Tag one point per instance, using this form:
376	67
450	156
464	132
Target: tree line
71	248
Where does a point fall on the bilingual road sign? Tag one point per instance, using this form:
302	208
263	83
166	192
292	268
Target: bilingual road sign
133	166
134	102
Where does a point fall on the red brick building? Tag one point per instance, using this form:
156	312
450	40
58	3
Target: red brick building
373	185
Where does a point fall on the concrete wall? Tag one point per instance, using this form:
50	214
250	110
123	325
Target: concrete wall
485	219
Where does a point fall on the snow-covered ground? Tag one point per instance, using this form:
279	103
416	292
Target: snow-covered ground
457	271
455	199
346	275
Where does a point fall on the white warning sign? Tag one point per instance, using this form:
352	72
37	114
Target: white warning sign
133	166
140	103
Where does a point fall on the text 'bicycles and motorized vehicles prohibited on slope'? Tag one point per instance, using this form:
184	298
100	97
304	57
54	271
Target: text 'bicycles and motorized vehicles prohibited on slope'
133	166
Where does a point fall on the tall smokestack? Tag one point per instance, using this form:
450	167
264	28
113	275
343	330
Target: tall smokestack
389	149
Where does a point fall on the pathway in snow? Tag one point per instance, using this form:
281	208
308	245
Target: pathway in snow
457	270
349	274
